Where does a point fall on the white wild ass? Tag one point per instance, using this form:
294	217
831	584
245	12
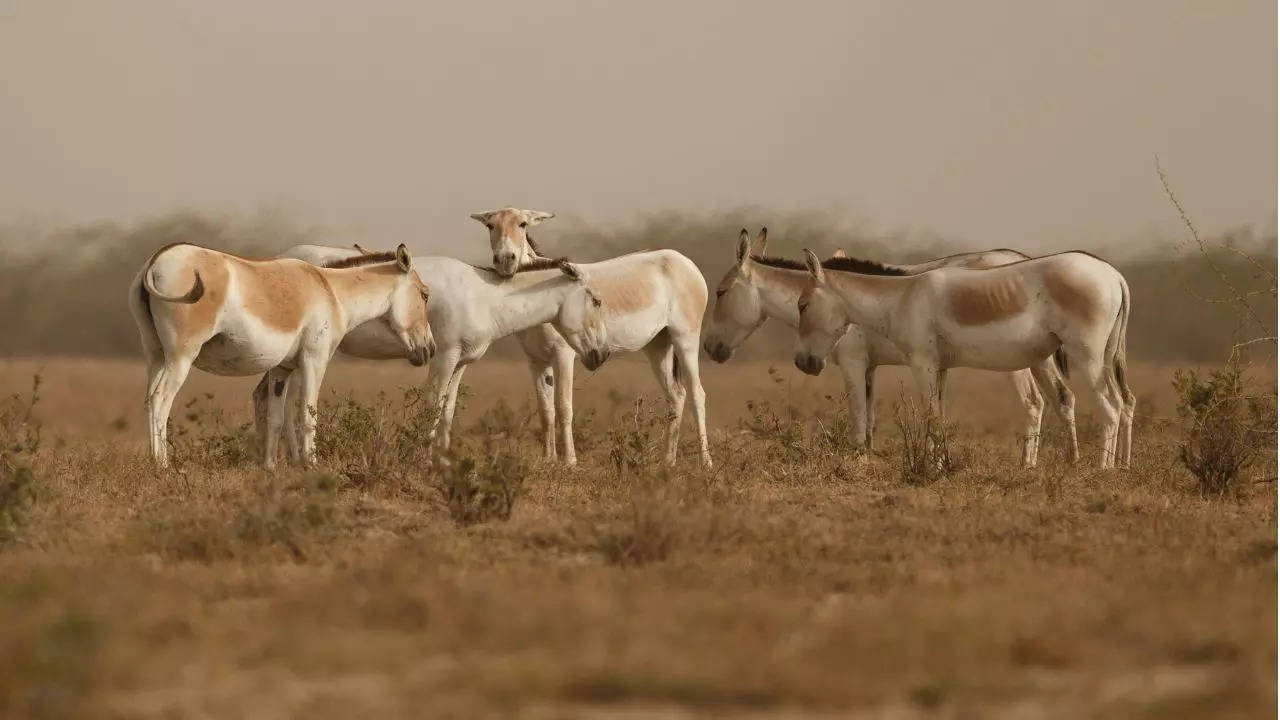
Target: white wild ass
1004	318
759	287
472	307
234	316
655	300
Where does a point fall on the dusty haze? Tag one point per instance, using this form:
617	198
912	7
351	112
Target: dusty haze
1027	125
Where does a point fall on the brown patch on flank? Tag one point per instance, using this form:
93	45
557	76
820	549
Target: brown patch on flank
627	293
979	301
1071	296
277	293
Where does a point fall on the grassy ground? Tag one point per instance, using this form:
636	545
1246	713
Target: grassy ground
793	580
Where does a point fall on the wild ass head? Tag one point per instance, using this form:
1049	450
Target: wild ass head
509	237
581	320
737	311
407	304
823	319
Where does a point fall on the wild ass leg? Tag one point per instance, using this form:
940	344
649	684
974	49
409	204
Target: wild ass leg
1054	386
168	382
1033	403
544	381
439	374
277	415
451	405
1103	391
870	405
312	375
563	363
686	354
662	359
856	389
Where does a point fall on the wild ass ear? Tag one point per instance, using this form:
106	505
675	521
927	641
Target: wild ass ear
762	240
838	253
815	266
744	248
572	271
482	218
360	250
403	260
533	217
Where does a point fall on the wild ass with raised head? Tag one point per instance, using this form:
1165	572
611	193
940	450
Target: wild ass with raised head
1004	318
655	300
759	287
471	307
234	316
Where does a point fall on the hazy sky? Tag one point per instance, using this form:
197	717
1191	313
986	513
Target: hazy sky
1027	124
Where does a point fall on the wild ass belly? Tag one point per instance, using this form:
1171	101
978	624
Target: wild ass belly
1004	346
633	330
238	352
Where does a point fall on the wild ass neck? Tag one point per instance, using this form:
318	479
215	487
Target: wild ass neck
779	290
363	293
870	300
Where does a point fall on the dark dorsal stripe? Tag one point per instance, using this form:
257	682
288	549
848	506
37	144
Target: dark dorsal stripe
361	260
844	264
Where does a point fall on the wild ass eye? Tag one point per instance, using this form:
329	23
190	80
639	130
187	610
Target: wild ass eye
524	225
803	305
720	292
595	301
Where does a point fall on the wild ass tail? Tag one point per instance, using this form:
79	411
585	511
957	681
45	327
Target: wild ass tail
1060	359
1120	363
193	295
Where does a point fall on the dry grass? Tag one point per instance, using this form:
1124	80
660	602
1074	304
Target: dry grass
793	579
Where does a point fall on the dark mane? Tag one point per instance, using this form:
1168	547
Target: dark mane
532	245
539	264
361	260
844	264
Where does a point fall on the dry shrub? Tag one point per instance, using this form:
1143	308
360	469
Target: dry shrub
204	438
19	441
1227	425
290	513
646	532
926	452
479	487
635	440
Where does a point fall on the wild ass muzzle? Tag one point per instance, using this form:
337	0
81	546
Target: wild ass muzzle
1005	318
472	307
758	287
235	316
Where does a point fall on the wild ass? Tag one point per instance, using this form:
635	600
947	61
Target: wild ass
759	287
1004	318
471	307
234	316
654	301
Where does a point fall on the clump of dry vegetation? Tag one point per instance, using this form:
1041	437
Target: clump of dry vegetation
19	442
1226	428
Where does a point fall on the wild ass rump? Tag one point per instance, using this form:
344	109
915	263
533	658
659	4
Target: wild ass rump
235	316
758	287
472	307
1005	318
655	300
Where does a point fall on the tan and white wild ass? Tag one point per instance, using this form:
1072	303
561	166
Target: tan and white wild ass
1005	318
654	301
472	307
230	315
759	287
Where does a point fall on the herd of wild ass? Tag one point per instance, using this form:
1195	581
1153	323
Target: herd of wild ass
285	317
